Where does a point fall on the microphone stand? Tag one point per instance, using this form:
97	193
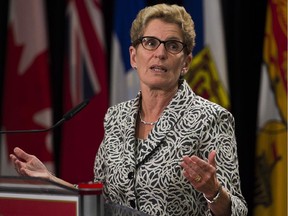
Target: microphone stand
67	116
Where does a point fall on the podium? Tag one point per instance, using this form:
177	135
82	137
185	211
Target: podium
37	196
23	196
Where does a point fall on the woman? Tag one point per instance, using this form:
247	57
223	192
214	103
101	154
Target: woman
159	151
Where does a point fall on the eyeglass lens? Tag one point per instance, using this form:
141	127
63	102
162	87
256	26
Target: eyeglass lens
152	43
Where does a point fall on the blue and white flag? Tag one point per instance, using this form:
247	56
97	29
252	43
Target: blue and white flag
124	79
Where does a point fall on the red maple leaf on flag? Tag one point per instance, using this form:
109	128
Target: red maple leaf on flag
26	100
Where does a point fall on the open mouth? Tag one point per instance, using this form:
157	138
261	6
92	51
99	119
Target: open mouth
158	68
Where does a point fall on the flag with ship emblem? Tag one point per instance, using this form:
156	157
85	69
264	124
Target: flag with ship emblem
271	148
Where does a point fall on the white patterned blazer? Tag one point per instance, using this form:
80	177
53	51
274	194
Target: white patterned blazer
146	175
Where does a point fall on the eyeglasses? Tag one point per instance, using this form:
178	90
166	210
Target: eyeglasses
152	43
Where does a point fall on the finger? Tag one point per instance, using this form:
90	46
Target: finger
211	158
188	176
196	167
186	161
22	155
197	164
189	171
25	172
18	166
194	178
189	162
13	158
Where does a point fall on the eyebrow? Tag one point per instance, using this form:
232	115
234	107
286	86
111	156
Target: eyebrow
169	38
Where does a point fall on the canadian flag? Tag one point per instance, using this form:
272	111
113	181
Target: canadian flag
26	99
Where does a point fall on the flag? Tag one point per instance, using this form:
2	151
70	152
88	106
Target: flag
124	79
85	78
271	147
27	97
207	73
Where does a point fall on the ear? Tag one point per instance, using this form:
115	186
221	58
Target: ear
133	61
186	64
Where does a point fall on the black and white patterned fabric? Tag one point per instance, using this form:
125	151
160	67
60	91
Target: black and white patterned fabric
153	182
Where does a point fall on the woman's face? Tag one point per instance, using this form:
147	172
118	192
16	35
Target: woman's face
159	69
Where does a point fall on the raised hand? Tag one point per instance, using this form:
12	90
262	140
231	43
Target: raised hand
201	174
29	165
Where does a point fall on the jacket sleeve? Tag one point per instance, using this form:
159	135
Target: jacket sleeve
220	127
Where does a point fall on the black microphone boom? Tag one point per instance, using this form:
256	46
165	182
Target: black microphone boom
67	116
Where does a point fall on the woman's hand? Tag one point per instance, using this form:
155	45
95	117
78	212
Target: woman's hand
202	174
29	165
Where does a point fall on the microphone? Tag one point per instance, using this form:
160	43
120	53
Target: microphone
67	116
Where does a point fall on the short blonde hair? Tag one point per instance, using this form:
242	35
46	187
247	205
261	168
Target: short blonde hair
170	14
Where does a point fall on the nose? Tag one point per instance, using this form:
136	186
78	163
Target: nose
160	52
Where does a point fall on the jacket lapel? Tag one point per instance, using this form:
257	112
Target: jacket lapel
171	115
129	127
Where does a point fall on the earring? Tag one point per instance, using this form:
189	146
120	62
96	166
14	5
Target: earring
183	71
135	68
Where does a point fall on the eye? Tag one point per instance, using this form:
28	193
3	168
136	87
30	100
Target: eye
150	42
173	45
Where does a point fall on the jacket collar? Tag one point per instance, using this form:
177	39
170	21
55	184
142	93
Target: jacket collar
170	116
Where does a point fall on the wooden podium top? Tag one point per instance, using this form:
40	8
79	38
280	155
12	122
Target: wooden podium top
40	185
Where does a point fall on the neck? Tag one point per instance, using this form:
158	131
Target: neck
154	101
145	122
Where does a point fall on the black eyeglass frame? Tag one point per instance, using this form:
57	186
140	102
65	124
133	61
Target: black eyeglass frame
140	41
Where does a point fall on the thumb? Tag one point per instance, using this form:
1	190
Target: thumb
211	158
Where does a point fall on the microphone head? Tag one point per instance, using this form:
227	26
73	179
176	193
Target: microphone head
71	113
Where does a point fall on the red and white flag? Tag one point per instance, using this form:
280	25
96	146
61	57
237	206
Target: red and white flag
26	99
85	78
